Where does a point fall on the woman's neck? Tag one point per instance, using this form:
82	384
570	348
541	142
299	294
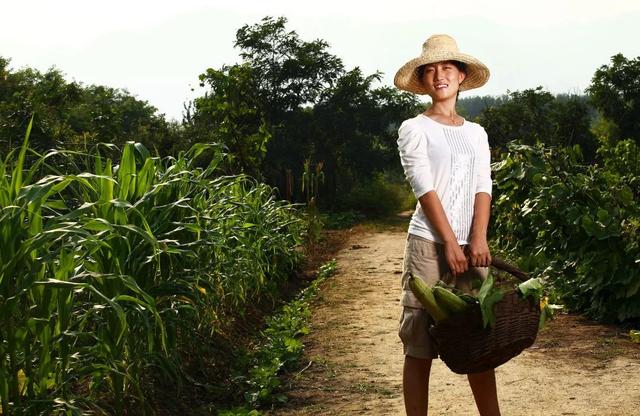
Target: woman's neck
446	109
444	113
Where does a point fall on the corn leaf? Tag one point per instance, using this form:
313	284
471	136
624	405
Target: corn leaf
488	297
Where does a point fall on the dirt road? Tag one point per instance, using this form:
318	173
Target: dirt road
354	359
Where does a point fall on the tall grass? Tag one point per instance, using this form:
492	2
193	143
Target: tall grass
104	272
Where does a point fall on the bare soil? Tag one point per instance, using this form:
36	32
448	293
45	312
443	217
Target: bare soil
353	356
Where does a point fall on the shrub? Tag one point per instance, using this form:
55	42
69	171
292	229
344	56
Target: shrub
378	197
578	225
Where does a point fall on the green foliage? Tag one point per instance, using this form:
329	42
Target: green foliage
578	225
377	197
311	180
104	272
524	116
488	296
311	109
289	71
536	116
278	351
472	107
341	219
73	116
230	114
615	91
622	159
358	131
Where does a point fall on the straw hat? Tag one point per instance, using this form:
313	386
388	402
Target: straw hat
436	49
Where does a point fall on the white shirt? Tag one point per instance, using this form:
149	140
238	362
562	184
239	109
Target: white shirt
453	161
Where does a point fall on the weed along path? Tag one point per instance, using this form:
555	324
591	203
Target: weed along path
353	356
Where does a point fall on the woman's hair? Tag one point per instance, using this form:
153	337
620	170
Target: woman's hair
462	67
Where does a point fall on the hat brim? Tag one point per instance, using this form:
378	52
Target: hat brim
407	77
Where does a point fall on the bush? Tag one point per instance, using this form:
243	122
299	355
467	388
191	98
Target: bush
378	197
578	225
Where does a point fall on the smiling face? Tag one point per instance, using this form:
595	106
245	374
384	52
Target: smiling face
442	80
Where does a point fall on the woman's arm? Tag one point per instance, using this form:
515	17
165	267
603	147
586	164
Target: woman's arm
478	249
433	210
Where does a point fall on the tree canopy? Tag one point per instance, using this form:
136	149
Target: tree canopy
292	102
537	116
615	91
71	115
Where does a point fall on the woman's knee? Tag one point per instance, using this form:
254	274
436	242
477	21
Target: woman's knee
418	364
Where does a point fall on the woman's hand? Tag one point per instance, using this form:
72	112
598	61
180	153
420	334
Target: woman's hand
456	260
478	252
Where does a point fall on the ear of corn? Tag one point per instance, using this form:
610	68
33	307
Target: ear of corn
449	301
469	299
426	298
488	296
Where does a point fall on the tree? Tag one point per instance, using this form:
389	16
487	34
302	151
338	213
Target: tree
472	107
289	71
571	117
615	92
28	92
523	115
357	125
70	115
536	116
231	114
299	94
290	75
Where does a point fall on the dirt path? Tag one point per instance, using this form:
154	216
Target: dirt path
354	356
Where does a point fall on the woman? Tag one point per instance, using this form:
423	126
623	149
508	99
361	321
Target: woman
446	160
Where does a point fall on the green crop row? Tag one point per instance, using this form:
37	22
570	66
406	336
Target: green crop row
279	347
106	269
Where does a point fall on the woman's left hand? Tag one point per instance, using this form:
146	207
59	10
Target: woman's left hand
478	253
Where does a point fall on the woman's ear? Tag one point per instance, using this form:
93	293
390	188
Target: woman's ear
461	77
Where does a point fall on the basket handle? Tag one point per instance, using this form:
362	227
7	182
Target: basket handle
500	264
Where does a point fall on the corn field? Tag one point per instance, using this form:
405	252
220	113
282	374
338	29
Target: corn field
106	268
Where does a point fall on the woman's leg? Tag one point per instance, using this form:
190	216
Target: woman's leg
483	386
423	260
415	385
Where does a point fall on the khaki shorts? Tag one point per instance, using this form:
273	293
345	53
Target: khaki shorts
425	258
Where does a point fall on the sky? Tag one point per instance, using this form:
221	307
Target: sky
156	49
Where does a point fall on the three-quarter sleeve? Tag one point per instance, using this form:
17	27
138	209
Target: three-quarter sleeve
484	166
412	146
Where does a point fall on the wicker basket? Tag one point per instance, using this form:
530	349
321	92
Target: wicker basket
466	346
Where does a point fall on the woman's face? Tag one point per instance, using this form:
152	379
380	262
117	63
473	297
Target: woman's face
442	80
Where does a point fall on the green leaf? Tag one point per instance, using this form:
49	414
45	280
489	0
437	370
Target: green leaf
292	344
531	288
488	297
16	177
603	216
98	224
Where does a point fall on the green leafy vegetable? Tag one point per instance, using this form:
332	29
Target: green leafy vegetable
488	297
531	288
